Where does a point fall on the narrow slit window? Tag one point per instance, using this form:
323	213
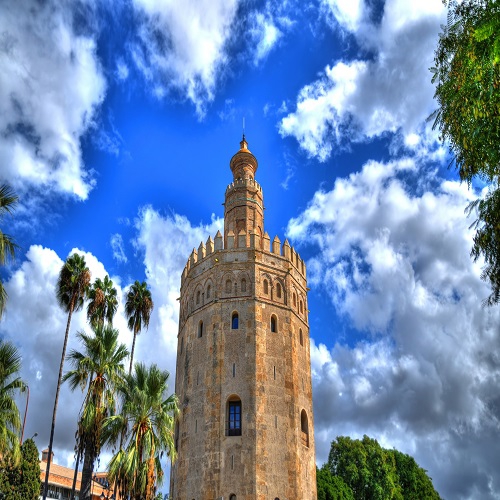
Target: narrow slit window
209	289
301	337
278	291
200	329
234	321
304	428
266	287
234	369
274	324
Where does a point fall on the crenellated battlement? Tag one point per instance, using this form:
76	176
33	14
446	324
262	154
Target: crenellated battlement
248	183
241	242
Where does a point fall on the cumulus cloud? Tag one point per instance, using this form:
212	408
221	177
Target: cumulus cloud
347	13
389	90
183	46
51	85
166	242
423	378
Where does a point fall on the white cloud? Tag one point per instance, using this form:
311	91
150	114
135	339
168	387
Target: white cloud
184	46
265	34
51	84
423	377
166	243
347	13
122	72
117	247
365	98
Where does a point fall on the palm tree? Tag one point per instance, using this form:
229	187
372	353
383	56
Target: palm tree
8	247
148	415
10	382
138	310
72	284
103	302
99	367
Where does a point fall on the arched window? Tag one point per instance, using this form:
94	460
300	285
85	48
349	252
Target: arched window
233	417
278	291
301	337
232	497
200	329
266	287
294	300
243	289
304	428
234	321
198	295
274	324
209	289
228	286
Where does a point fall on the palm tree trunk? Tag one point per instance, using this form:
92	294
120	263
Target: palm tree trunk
151	479
132	353
87	470
51	440
72	495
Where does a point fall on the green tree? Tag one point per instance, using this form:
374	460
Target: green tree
331	487
364	467
8	201
414	482
72	284
21	481
138	308
10	383
102	302
98	367
372	472
467	78
147	414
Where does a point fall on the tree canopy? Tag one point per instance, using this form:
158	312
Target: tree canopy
21	481
467	78
362	469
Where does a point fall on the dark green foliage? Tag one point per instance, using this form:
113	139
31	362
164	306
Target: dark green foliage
331	487
414	482
22	481
370	472
365	467
467	78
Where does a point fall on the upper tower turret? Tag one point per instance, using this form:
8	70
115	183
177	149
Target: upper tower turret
244	203
243	164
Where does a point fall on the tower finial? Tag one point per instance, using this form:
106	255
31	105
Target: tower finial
243	128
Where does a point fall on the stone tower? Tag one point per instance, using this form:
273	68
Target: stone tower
243	379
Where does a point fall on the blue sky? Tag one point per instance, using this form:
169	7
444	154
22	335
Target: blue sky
117	124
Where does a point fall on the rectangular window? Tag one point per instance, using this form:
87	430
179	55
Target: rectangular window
234	420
